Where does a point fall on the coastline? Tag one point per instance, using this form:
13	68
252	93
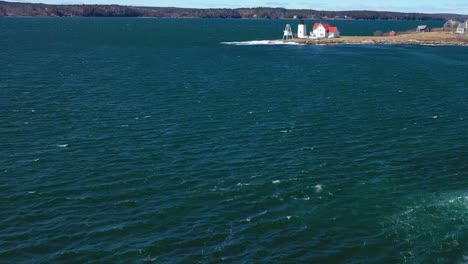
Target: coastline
436	38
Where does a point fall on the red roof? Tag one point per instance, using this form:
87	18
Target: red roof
332	29
325	25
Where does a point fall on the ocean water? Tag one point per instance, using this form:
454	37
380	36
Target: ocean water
149	140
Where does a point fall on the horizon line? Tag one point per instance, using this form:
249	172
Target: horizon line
234	8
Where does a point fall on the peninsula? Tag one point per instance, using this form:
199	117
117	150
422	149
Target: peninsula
436	37
453	33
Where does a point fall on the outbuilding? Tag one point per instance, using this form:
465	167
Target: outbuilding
462	28
451	24
423	28
333	32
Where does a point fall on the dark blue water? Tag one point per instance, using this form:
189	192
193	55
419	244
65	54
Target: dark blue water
145	140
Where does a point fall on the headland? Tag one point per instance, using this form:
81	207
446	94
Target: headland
436	37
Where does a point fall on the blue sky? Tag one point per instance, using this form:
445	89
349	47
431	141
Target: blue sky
427	6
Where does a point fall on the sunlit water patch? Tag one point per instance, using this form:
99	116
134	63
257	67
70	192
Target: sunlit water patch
432	228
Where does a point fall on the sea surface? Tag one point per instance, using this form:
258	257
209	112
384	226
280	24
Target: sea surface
126	140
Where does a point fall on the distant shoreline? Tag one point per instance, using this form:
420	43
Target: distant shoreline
143	17
16	9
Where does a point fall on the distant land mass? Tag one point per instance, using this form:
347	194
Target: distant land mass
30	9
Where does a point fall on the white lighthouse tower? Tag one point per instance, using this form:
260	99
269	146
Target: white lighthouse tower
302	30
287	33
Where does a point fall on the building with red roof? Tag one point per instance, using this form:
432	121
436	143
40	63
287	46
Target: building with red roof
333	32
324	30
324	25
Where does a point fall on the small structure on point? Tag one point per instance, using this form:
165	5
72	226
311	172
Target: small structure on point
302	30
451	24
287	33
392	33
462	28
333	32
423	28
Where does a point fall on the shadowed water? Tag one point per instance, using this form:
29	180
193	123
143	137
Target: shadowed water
146	140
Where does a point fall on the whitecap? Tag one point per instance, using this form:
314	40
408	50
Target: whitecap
305	198
248	219
62	145
276	181
260	42
262	213
318	188
150	259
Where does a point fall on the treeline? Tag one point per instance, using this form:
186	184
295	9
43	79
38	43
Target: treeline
26	9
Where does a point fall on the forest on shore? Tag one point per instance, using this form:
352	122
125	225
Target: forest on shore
30	9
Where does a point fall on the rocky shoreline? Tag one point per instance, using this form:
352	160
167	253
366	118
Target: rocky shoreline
429	38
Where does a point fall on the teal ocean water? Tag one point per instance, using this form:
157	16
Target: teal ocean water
144	140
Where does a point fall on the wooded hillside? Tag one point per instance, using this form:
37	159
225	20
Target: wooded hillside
26	9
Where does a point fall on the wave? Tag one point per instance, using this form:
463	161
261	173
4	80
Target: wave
431	224
260	42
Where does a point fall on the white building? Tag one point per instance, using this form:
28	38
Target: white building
320	30
302	30
462	28
333	32
324	30
450	24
